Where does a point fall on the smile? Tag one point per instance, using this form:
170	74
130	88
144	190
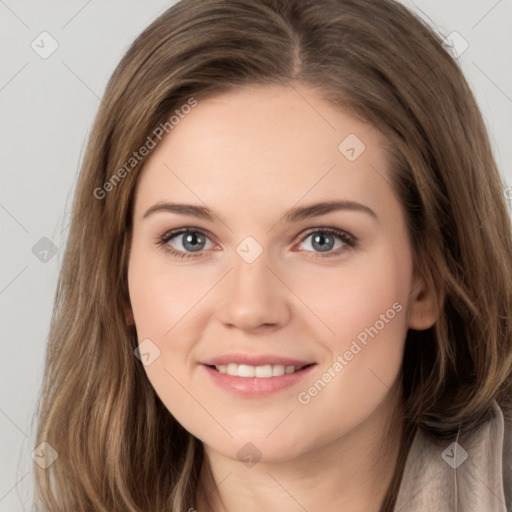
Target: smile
256	381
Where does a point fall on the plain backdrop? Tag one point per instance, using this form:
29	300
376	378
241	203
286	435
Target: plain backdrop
47	107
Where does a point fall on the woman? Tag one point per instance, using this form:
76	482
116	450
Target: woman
341	338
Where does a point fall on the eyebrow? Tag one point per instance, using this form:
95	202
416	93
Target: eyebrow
293	215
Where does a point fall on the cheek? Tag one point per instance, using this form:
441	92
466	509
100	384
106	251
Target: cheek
163	307
159	297
366	308
168	301
350	299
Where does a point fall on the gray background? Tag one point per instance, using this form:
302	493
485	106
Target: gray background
47	109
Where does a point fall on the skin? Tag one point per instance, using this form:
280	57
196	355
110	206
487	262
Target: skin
250	156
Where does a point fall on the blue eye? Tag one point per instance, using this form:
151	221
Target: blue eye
325	240
193	242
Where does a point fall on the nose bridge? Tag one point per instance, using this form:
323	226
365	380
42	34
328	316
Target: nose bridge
252	295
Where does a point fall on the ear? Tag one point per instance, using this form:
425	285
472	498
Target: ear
423	309
128	314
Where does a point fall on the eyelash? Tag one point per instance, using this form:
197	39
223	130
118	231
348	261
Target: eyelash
349	241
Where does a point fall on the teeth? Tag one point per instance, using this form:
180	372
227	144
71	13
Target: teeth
264	372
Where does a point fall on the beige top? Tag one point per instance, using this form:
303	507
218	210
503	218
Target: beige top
470	475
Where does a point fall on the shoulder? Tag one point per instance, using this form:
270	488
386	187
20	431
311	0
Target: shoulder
466	473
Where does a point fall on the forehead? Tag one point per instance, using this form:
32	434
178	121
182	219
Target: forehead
265	145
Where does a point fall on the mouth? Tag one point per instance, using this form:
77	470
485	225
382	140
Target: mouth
249	381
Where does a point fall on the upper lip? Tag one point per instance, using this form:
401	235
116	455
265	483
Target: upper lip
255	360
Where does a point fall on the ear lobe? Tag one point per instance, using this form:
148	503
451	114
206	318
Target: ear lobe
423	308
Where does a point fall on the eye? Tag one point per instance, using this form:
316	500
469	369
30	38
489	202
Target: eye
323	240
191	242
188	239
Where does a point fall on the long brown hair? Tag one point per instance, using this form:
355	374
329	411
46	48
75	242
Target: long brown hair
119	448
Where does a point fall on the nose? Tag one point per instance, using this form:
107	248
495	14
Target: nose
253	297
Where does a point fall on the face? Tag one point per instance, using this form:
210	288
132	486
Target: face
250	279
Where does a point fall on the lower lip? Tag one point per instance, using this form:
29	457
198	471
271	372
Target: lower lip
256	386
